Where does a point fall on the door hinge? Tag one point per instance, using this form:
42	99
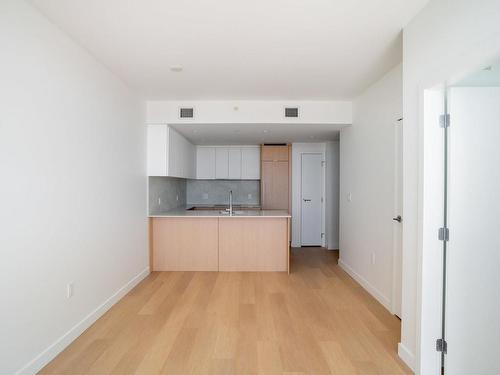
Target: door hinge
444	234
323	163
441	346
444	120
322	235
321	199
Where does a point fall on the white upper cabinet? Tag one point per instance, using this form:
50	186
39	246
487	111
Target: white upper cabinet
228	162
234	164
221	163
157	150
205	163
169	153
250	163
181	156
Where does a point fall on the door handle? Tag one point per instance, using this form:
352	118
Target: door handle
307	200
398	218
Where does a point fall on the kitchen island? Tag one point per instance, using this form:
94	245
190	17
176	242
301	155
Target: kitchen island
213	240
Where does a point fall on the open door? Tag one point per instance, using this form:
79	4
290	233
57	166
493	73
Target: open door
473	258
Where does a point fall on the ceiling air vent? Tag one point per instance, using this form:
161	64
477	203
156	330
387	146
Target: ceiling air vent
291	112
186	113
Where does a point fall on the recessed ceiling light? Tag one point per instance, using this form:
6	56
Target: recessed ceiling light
265	131
176	68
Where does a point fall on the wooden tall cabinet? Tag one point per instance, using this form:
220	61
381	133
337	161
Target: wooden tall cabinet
275	177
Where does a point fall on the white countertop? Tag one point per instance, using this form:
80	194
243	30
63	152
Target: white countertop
182	212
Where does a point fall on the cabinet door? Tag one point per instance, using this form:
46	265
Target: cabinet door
157	150
205	163
266	184
250	163
280	185
181	156
275	153
185	157
275	189
174	150
188	161
234	163
221	163
191	157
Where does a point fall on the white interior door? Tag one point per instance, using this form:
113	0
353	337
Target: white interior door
311	200
397	219
473	258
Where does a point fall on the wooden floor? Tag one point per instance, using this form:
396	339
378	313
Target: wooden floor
317	320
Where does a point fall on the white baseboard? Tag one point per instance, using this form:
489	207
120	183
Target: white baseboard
365	284
333	246
406	356
42	359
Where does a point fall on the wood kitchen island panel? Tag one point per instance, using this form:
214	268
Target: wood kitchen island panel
185	244
250	244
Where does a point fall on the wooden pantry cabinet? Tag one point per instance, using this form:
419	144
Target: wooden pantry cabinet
275	177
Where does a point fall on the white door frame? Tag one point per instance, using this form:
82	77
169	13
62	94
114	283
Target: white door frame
297	150
397	246
428	212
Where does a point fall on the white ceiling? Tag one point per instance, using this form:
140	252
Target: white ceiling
250	134
239	49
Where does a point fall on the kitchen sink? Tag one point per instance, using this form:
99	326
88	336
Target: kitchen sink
235	213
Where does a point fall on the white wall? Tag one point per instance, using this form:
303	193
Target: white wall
332	195
72	191
297	150
446	39
367	173
250	112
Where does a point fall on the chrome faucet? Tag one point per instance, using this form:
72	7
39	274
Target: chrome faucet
230	209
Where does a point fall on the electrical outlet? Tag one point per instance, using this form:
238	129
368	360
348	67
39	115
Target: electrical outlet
159	201
69	290
249	196
205	195
176	197
373	258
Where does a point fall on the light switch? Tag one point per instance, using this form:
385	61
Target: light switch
349	197
205	195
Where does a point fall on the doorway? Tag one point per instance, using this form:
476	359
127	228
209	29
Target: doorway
460	259
311	199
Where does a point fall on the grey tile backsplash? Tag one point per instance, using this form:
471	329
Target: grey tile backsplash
166	193
211	192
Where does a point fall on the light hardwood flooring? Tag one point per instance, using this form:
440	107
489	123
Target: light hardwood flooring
317	320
